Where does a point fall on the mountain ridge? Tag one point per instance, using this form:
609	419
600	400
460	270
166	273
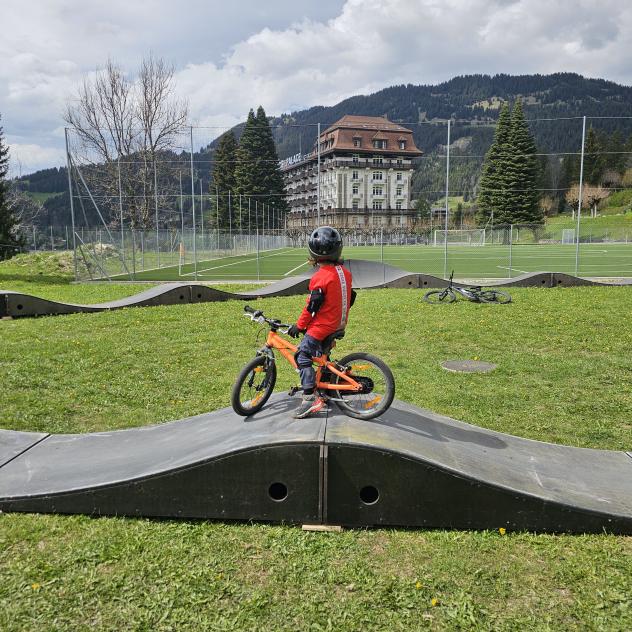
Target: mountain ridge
553	103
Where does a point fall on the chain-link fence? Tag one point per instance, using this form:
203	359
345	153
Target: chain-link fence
604	249
159	213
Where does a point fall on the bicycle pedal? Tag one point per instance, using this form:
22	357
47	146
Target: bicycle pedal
294	390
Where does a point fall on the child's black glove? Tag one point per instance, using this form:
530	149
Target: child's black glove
294	331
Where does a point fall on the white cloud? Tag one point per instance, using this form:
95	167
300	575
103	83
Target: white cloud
26	158
377	43
289	54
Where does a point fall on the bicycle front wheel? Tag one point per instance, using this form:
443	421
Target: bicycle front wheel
434	297
495	296
253	386
378	386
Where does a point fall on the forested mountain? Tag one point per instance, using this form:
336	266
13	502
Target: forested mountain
553	106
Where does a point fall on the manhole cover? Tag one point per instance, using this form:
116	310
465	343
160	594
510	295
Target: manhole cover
468	366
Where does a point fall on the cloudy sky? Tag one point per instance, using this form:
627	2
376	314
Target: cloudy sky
286	54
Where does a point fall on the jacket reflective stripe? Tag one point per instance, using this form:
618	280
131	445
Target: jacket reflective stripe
345	296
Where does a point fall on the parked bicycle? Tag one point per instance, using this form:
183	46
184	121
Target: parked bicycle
474	293
360	384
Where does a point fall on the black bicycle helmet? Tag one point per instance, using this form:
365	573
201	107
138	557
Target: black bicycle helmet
325	244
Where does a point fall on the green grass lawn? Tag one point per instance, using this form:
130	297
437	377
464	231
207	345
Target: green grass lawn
50	275
564	376
490	261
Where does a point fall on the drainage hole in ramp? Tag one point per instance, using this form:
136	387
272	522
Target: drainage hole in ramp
278	491
369	495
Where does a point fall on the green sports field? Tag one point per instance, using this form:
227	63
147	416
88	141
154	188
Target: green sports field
491	261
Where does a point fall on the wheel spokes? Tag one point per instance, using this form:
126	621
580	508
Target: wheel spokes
374	387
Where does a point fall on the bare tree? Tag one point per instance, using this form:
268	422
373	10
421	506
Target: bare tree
25	209
121	127
593	196
572	197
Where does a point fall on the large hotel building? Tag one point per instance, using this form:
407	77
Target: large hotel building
365	177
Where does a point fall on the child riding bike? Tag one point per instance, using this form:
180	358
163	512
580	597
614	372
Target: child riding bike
325	314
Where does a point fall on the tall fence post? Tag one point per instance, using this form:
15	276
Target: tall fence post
156	207
193	211
230	221
217	207
201	214
382	244
510	248
258	272
447	190
72	206
120	191
579	201
318	176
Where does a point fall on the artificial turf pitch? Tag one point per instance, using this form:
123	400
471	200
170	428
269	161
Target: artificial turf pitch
595	260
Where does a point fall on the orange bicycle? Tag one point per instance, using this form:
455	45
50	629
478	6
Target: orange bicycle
360	384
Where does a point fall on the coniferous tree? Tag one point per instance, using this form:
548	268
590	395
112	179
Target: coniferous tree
616	157
511	171
224	183
492	188
250	170
10	242
273	178
521	204
257	173
594	159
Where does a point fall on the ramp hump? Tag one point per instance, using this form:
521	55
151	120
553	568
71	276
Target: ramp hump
410	467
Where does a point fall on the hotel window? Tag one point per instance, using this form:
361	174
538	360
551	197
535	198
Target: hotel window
377	205
357	141
400	177
378	160
355	189
379	144
355	159
398	205
354	175
400	162
402	144
377	175
354	205
398	191
378	191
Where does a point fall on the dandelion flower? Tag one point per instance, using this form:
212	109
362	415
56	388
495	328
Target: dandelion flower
502	531
434	602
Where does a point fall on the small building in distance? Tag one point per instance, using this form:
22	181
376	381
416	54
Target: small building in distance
365	177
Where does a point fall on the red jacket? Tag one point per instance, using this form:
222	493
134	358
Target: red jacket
335	282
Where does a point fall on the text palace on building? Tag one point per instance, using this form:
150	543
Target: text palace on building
365	177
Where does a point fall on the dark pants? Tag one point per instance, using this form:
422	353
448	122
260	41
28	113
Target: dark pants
307	349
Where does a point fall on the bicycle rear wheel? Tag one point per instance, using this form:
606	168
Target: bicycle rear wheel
434	297
378	386
495	296
253	386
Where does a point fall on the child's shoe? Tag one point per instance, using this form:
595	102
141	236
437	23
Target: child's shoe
309	406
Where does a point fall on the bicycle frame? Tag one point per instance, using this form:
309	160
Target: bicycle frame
287	350
470	293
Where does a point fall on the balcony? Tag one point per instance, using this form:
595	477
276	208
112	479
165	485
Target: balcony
365	163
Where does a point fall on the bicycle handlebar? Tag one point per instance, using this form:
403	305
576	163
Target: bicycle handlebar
257	316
